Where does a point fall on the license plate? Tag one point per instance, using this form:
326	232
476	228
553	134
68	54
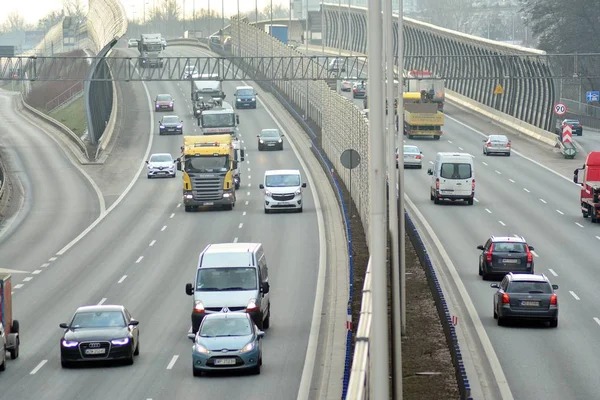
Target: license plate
271	144
209	203
530	303
447	190
499	145
510	261
171	129
225	361
95	351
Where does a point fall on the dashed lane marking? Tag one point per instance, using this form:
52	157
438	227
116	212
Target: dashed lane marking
498	172
172	362
122	279
240	225
484	163
178	205
489	212
597	320
552	272
247	204
102	301
543	201
37	271
27	279
172	215
248	193
560	212
18	286
38	367
52	259
235	240
578	224
527	190
44	265
163	228
502	223
244	213
140	258
152	243
511	181
574	295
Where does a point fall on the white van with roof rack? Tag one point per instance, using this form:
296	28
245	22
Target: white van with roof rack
452	177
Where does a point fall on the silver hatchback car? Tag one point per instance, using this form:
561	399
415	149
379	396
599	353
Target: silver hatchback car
496	144
413	156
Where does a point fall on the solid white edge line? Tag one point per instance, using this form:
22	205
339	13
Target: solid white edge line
38	367
488	348
127	189
173	361
515	152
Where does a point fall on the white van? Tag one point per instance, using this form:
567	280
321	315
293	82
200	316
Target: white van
282	190
452	177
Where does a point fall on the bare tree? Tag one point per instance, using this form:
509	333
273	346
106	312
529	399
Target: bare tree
75	9
50	19
14	23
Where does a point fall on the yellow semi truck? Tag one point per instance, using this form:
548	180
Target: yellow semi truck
423	120
208	164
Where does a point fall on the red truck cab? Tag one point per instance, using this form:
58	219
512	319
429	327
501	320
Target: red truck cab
9	328
590	186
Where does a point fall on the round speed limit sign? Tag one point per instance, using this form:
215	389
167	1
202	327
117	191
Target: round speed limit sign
560	109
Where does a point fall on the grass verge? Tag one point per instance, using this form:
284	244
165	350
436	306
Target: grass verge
73	116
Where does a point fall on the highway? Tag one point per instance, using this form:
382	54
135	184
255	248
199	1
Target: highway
521	195
142	254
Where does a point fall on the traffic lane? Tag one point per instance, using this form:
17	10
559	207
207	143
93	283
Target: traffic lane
153	291
589	141
475	228
59	201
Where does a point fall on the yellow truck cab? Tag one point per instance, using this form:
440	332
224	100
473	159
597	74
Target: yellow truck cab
423	119
208	164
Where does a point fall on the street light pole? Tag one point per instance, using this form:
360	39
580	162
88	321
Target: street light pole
222	17
209	19
194	16
184	15
377	212
393	202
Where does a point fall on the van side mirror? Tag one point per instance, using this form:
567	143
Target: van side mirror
282	135
134	322
531	248
304	185
178	165
495	285
429	172
242	154
146	161
261	186
555	287
189	289
265	287
64	325
191	336
260	334
480	247
237	119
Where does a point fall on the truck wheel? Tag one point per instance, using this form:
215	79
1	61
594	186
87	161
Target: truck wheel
14	353
436	200
470	202
437	137
228	207
188	208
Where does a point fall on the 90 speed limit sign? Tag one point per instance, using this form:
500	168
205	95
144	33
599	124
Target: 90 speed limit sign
560	109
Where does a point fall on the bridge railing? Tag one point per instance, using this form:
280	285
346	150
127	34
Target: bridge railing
529	88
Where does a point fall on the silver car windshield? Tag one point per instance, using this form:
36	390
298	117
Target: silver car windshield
223	327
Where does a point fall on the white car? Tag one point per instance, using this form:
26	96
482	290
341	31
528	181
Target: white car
132	43
413	156
496	144
347	84
282	190
160	164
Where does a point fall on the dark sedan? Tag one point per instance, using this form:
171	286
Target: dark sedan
170	125
503	254
575	125
99	333
525	296
270	139
164	102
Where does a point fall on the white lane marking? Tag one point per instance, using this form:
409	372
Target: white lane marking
142	167
460	148
163	228
597	320
574	295
248	162
247	204
140	258
249	177
498	172
37	271
172	215
248	193
18	286
476	199
178	205
27	279
552	272
244	213
450	141
249	185
172	362
578	224
38	367
527	190
102	301
52	259
534	253
511	181
240	226
431	162
248	170
484	163
543	201
489	212
235	240
560	212
598	237
152	243
44	265
502	223
122	279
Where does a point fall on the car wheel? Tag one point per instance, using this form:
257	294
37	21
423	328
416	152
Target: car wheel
470	202
501	321
65	364
267	210
508	154
137	349
237	186
14	353
436	200
256	370
431	196
480	270
300	210
267	321
188	208
149	176
495	314
281	147
196	372
3	365
130	360
554	323
260	148
228	207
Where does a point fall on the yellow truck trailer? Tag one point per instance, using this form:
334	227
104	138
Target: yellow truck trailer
208	164
423	120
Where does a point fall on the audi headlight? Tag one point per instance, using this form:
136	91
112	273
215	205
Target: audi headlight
201	349
69	343
162	127
239	100
247	348
120	342
280	141
261	141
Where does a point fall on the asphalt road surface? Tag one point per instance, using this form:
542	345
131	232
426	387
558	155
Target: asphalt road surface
142	254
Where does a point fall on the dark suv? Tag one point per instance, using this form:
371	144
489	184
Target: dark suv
503	254
525	296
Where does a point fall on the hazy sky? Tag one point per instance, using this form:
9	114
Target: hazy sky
34	10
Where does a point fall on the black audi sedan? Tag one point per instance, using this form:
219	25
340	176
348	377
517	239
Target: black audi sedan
170	125
100	333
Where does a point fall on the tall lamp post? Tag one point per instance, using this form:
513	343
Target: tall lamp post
209	19
194	16
183	15
222	16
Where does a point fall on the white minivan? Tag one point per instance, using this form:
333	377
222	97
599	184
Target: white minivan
283	190
452	177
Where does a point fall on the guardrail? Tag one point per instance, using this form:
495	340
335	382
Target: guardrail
529	89
3	176
342	126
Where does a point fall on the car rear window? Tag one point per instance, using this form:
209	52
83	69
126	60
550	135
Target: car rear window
456	171
528	287
507	247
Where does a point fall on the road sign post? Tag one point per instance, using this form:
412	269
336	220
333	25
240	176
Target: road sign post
560	109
